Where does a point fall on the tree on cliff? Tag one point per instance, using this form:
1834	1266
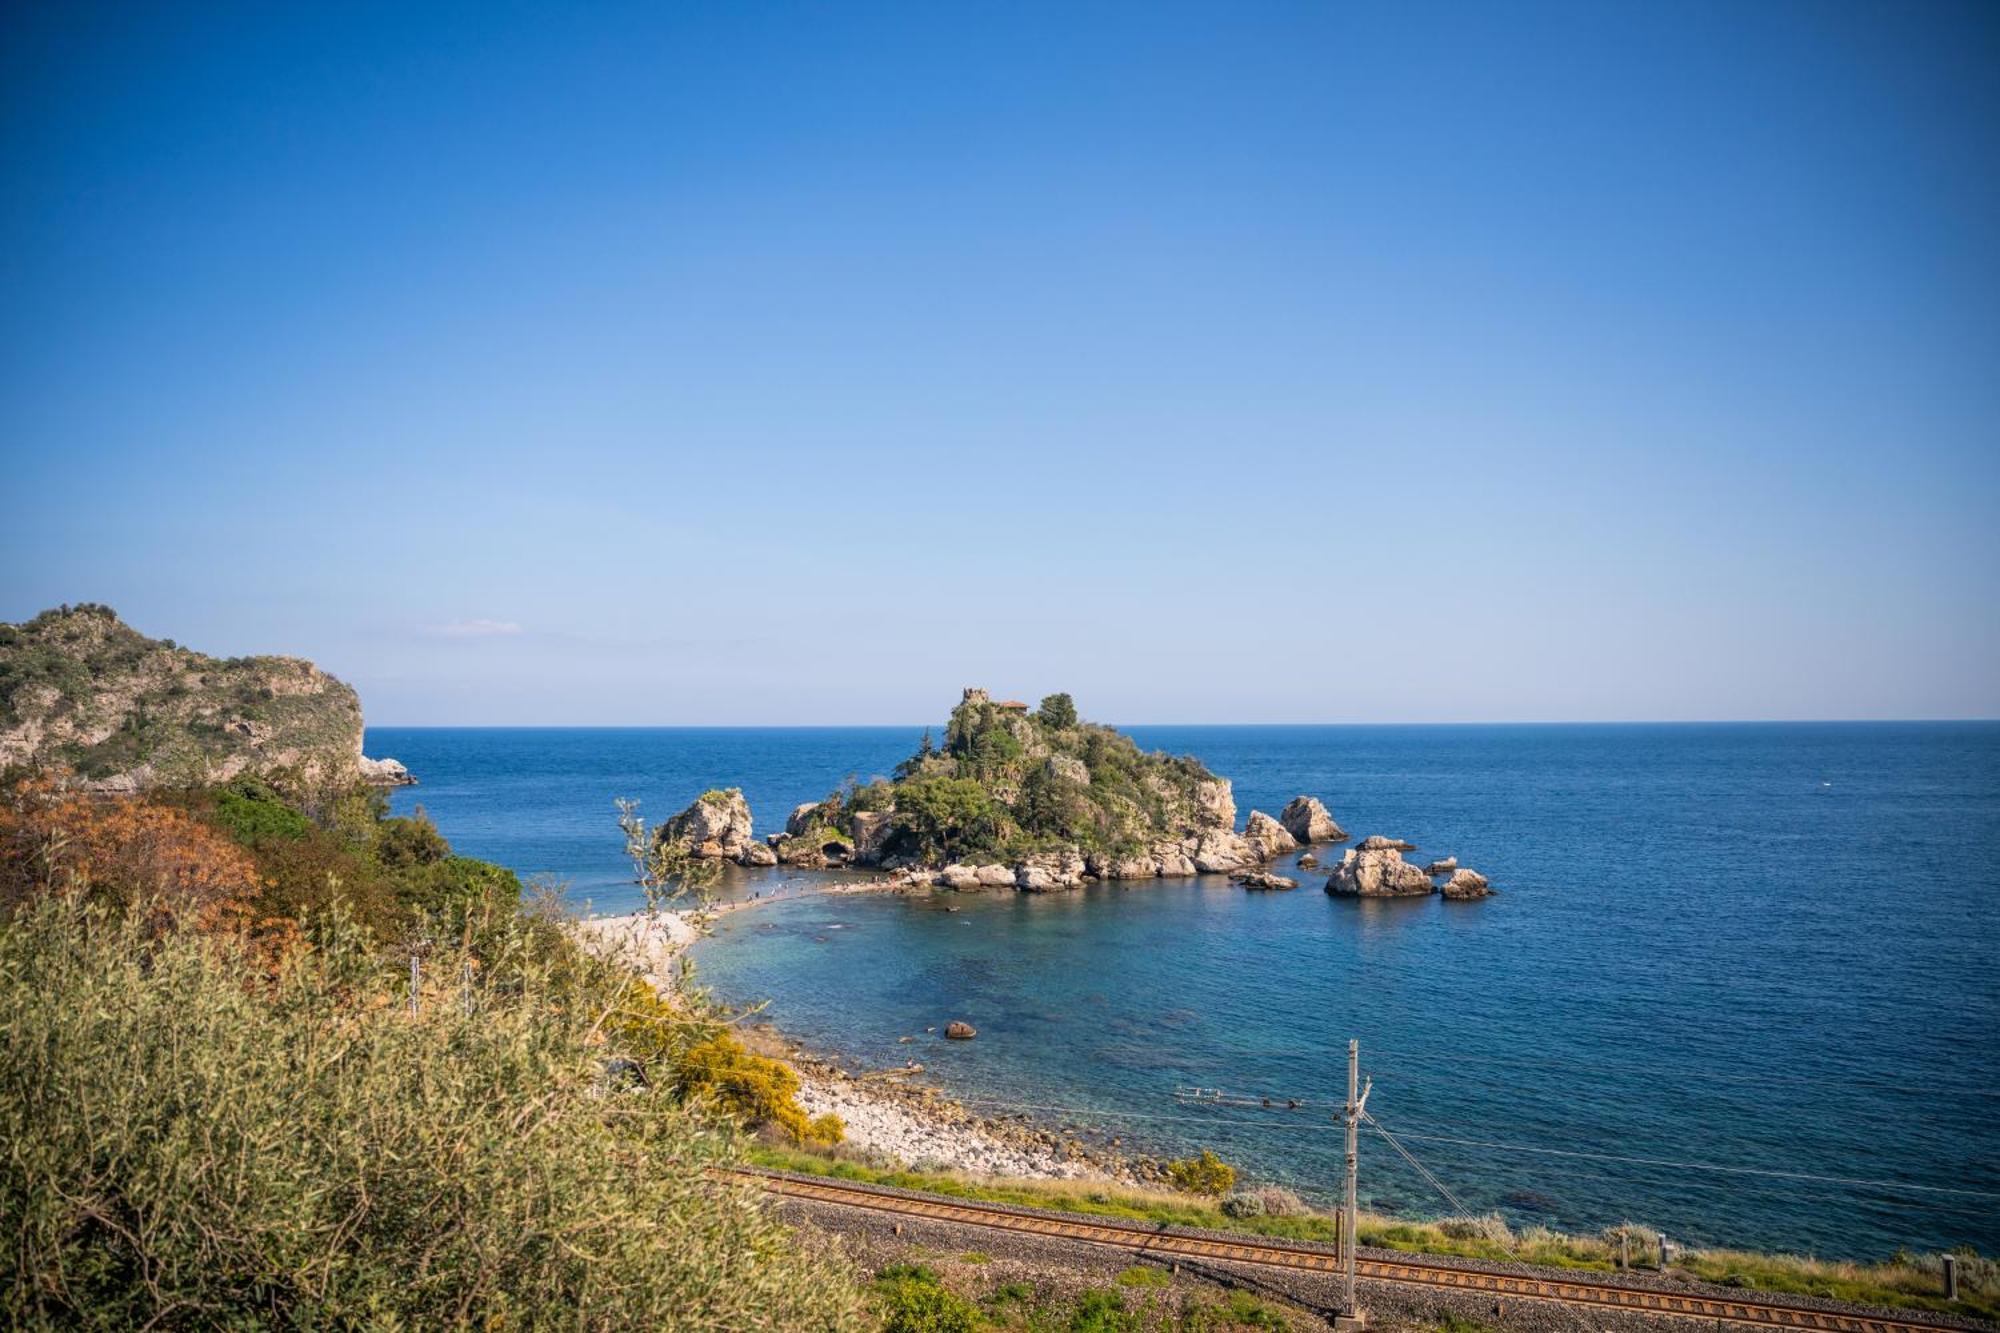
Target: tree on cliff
943	815
1057	713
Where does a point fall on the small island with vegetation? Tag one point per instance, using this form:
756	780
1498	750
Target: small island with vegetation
1038	799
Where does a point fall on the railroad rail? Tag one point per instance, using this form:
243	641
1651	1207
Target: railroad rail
1299	1256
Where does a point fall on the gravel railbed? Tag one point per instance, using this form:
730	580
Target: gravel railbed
1321	1293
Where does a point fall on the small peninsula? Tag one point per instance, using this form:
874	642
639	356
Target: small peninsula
81	689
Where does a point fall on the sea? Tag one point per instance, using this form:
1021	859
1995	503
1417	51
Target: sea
1740	982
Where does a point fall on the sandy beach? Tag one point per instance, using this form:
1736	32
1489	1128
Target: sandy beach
885	1112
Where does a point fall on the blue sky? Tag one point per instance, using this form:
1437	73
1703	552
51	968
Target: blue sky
762	363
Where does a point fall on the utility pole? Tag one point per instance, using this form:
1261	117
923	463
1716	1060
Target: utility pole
1357	1101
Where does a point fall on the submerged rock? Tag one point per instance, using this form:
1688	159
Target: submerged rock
1376	869
1465	884
1263	879
1267	836
1307	820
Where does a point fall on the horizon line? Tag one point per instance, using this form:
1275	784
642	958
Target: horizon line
1468	722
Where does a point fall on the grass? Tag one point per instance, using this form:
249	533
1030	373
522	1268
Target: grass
1905	1282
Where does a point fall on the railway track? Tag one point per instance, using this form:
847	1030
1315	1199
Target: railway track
1296	1256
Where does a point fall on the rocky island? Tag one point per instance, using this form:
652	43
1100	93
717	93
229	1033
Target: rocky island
1039	800
1035	799
81	689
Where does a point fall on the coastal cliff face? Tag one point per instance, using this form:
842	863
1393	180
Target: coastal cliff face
80	688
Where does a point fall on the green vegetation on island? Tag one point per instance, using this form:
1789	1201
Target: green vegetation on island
1008	782
81	689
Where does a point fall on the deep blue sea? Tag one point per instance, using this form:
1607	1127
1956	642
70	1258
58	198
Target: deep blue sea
1765	948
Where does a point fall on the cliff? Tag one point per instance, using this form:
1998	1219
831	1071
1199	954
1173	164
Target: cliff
79	687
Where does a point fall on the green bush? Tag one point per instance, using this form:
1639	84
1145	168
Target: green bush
1206	1174
194	1144
1101	1310
1242	1205
914	1301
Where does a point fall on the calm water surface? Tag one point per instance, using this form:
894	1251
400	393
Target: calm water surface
1760	947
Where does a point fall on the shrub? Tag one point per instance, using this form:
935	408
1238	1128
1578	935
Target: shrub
753	1088
1490	1227
305	1153
1141	1276
1242	1205
914	1301
1101	1310
125	852
1278	1201
1206	1174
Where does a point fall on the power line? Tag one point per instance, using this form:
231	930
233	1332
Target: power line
1773	1173
1421	1169
1706	1166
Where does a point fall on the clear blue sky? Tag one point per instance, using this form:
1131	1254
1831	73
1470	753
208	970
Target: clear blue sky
1242	362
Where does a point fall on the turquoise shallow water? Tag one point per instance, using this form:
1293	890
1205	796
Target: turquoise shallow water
1765	948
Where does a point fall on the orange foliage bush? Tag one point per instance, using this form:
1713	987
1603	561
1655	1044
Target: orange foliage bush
128	849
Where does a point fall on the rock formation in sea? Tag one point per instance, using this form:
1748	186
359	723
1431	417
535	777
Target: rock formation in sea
385	773
1263	879
1307	820
716	826
1465	884
1267	837
1376	869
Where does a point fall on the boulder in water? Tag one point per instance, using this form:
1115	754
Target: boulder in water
1466	884
1267	837
1376	869
1307	820
959	1031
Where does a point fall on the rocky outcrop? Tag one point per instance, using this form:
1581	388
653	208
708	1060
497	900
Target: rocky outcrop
960	1031
963	877
1263	879
1219	851
385	773
1375	842
1267	837
1068	768
1444	867
81	689
872	832
1044	872
757	854
802	818
1214	804
1376	869
1307	820
1464	885
716	826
